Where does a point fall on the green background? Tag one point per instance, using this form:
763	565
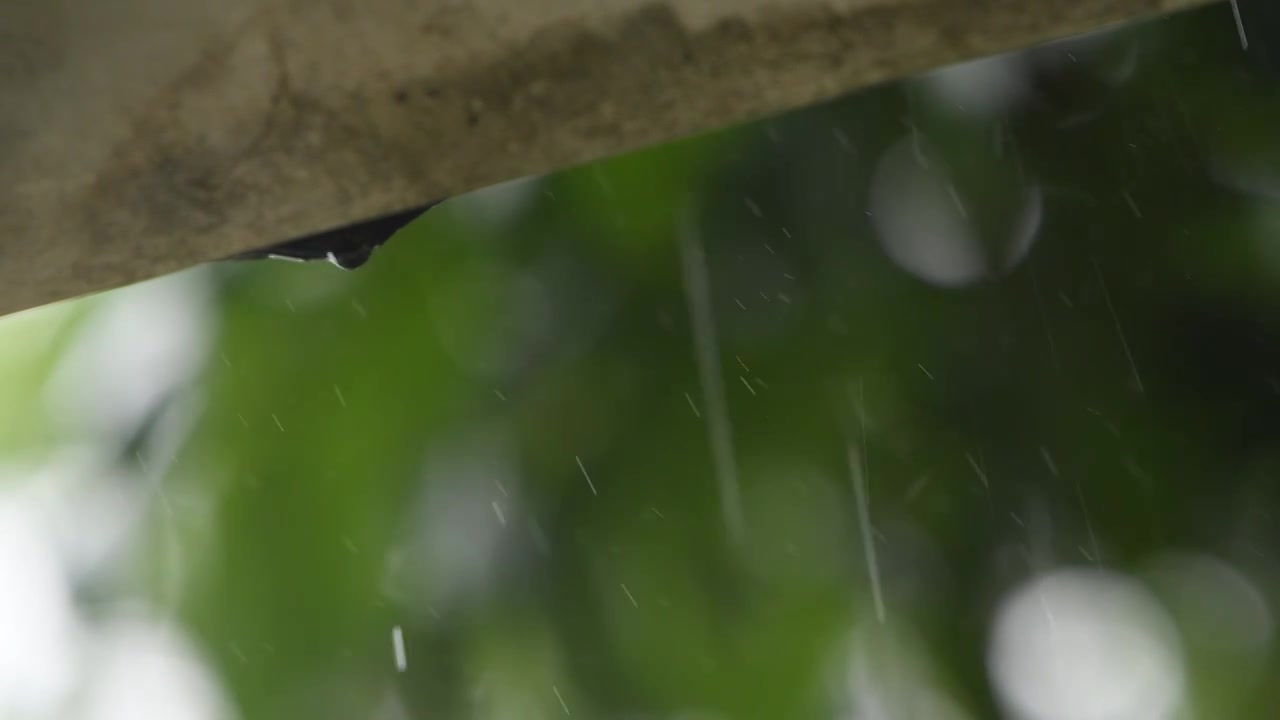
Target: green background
339	453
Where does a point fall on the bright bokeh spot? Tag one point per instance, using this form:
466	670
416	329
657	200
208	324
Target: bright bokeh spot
1085	644
38	628
148	671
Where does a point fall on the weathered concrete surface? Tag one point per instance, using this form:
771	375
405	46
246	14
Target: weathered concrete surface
138	137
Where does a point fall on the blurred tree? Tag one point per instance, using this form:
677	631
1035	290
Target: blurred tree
1029	304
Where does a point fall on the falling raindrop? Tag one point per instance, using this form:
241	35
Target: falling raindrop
1235	10
397	646
692	406
707	354
864	525
563	704
586	475
1124	342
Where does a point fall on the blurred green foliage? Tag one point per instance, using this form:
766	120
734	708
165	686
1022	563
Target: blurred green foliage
400	446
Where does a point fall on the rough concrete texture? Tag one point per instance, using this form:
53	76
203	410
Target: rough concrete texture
138	137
